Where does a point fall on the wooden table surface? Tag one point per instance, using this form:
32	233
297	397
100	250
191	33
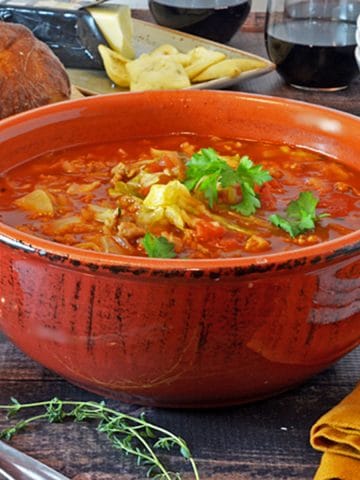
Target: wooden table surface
267	440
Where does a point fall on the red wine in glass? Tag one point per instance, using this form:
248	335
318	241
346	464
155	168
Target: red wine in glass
317	63
217	20
312	42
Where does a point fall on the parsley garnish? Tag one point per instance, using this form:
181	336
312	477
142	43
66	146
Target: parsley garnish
206	171
158	247
248	176
300	215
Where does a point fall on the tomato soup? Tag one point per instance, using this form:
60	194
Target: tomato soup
183	196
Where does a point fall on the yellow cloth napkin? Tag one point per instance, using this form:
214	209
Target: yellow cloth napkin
337	433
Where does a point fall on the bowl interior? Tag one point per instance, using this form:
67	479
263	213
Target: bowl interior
111	118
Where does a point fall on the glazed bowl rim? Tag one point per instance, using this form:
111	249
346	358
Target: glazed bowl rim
346	244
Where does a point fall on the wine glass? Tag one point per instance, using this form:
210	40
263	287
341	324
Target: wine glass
312	42
217	20
357	51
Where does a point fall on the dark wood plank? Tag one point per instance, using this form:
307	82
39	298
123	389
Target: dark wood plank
265	440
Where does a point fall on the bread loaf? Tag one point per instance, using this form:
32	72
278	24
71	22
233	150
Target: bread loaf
31	75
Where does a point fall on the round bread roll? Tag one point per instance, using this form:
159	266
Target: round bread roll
31	75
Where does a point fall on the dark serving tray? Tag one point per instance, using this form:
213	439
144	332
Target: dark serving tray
72	35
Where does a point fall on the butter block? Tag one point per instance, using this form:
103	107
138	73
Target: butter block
116	26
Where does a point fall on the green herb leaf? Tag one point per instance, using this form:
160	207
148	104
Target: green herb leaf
132	435
248	176
55	411
206	171
158	247
249	202
252	174
300	215
15	407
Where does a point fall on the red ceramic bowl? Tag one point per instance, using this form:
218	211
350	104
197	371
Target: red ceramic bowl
182	333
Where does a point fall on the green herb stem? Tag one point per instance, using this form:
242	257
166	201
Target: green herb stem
133	435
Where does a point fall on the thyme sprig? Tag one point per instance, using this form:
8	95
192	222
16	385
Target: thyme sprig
132	435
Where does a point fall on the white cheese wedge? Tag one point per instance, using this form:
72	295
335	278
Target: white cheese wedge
116	25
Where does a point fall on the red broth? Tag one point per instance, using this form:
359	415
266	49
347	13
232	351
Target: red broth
109	197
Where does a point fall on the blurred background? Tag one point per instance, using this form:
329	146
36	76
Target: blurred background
258	5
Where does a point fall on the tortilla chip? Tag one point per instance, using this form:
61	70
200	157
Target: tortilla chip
115	66
172	52
156	72
200	59
165	49
231	67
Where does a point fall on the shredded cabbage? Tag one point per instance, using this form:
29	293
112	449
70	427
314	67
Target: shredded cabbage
107	216
171	203
38	202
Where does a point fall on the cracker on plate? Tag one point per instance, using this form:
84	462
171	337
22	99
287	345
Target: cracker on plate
156	72
166	68
230	67
200	59
115	66
173	52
